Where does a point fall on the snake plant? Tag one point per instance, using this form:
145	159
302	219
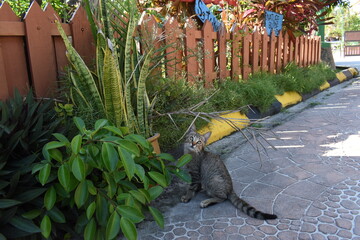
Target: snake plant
117	89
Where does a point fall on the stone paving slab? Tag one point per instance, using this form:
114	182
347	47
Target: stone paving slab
312	180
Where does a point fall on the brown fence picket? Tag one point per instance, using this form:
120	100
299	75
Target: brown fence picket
222	42
173	49
235	53
264	52
191	48
13	67
255	52
279	51
208	35
286	54
41	51
246	69
83	40
272	51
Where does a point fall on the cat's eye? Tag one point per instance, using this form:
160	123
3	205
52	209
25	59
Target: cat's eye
191	138
198	142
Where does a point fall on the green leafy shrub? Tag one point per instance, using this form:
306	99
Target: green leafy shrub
103	180
25	126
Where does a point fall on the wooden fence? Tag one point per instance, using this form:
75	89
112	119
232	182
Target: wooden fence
33	54
208	55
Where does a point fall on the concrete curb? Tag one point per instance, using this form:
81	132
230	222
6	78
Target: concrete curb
221	129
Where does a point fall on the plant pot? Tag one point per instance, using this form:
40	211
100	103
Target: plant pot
155	143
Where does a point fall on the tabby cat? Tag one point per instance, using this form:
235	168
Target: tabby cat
209	173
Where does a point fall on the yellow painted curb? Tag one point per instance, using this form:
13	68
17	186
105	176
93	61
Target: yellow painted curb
289	98
326	85
220	129
341	76
353	71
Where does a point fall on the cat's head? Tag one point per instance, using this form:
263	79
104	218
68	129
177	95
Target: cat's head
195	142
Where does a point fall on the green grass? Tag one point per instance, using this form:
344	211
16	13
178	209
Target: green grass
259	90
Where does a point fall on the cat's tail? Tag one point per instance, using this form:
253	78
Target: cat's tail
248	209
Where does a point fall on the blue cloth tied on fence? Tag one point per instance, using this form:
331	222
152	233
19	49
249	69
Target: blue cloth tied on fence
273	22
203	13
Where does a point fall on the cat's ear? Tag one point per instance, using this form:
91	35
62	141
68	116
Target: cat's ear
207	136
192	128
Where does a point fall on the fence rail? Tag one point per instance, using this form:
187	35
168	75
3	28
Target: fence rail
32	53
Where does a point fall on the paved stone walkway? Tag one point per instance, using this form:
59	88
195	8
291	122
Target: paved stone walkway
312	181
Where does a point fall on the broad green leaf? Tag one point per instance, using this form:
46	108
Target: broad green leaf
30	195
90	210
183	160
56	215
140	172
91	188
50	198
114	130
131	213
159	178
56	154
113	226
78	169
5	203
183	175
79	124
128	228
24	224
44	174
37	167
64	177
61	137
145	193
139	139
100	123
155	192
76	144
90	230
127	161
110	156
81	194
166	156
53	145
130	146
157	216
45	226
31	214
138	196
102	212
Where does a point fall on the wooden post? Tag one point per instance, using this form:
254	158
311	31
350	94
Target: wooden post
255	56
296	51
192	65
41	51
264	52
272	53
173	50
246	55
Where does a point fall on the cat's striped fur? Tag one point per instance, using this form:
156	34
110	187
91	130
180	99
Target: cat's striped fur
209	173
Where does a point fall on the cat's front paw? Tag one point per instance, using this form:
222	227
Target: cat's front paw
185	199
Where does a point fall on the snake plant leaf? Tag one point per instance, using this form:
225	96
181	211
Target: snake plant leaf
141	93
89	85
113	93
